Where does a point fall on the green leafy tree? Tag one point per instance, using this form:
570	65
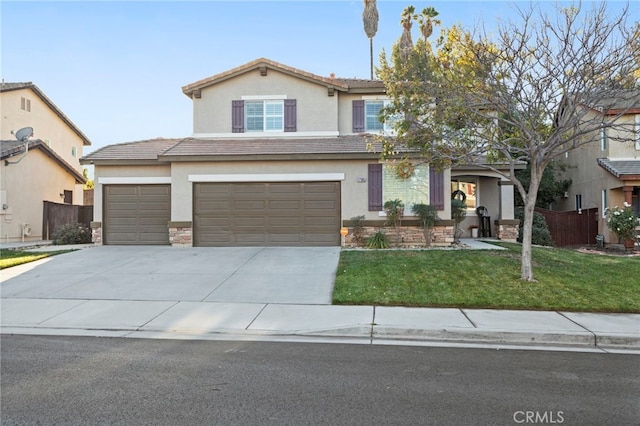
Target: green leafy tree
528	95
551	187
89	182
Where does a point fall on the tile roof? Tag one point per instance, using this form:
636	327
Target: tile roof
615	102
7	87
148	149
621	168
228	149
343	84
223	148
13	148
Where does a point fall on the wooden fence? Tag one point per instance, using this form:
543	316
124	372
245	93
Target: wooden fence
55	215
572	228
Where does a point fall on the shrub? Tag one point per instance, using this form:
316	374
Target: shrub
71	233
378	241
540	234
458	213
427	217
358	230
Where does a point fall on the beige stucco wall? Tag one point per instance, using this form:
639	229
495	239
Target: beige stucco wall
46	125
24	187
316	111
589	179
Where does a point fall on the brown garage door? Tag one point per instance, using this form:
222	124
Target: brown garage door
136	214
266	214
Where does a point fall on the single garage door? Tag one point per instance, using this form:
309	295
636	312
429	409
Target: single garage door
266	214
136	214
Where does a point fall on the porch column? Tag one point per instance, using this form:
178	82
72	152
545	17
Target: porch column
507	210
628	194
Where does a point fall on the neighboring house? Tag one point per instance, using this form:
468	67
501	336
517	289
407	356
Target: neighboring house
46	167
606	173
278	156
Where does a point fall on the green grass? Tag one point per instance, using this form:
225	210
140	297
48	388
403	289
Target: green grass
566	280
9	258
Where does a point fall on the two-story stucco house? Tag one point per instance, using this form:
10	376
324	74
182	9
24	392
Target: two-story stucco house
606	173
278	156
45	167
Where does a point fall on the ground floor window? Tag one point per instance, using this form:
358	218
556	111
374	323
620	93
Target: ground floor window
413	190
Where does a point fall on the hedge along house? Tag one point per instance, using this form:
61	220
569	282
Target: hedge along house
278	156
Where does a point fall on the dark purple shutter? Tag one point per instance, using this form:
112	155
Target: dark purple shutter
375	187
436	188
290	115
237	116
358	116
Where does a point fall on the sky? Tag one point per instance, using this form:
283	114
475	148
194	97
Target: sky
116	68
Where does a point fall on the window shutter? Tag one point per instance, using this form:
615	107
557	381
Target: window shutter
358	116
237	116
290	115
375	187
436	188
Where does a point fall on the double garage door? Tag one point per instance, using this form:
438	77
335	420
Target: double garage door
227	214
266	214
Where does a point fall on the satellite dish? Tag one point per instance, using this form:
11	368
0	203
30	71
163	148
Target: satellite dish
24	133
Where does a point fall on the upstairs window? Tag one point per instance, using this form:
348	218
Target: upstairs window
25	104
372	116
366	116
603	139
264	115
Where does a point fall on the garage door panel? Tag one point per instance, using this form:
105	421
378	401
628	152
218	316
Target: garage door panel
248	188
319	188
320	221
280	221
123	190
249	205
286	188
274	213
137	214
320	205
285	205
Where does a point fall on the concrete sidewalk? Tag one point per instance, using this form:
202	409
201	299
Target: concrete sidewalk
138	293
352	324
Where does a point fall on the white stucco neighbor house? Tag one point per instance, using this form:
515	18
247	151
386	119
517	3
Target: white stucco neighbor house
278	156
44	167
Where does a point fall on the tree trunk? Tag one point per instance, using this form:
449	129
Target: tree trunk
371	55
526	266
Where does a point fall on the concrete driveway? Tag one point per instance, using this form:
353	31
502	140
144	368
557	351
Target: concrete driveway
283	275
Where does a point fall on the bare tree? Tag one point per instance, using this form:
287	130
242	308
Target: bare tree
547	84
370	22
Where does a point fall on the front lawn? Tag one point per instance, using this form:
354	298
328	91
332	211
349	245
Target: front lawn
9	258
566	279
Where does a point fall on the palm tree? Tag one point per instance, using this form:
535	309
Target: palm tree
426	21
406	43
370	21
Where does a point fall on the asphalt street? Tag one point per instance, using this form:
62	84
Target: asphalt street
88	380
